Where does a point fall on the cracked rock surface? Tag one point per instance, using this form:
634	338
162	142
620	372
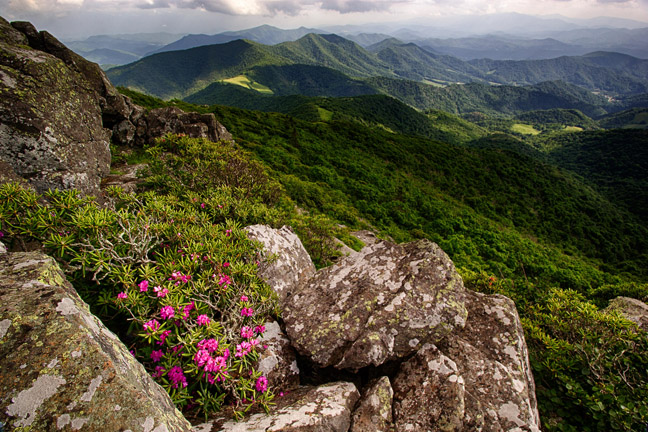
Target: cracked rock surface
478	379
383	303
326	408
60	368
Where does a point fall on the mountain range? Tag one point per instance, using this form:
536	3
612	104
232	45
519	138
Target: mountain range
495	36
330	65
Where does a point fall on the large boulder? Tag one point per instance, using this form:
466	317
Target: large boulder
162	121
383	303
326	408
478	379
61	368
632	309
286	266
51	130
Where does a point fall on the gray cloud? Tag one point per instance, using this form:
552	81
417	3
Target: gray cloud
349	6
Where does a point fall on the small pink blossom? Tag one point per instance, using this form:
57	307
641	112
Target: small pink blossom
186	310
262	384
143	286
161	292
202	205
247	332
176	375
260	329
152	325
157	355
203	320
122	295
247	312
244	298
226	264
159	371
202	357
210	345
163	336
167	312
215	364
228	232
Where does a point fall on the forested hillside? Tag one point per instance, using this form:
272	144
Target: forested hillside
511	214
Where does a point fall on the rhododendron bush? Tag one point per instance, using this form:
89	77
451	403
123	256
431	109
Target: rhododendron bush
173	274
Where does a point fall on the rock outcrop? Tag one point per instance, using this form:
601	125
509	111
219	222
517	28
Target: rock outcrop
61	369
51	131
632	309
326	408
59	112
479	378
383	303
463	358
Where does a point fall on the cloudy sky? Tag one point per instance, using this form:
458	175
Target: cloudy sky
75	18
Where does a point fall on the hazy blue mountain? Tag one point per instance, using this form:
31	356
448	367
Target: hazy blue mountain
121	48
501	47
597	72
265	34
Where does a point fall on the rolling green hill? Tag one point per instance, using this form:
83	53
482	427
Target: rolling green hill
177	74
597	71
635	118
493	100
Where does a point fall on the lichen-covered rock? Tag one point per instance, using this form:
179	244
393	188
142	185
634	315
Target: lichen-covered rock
162	121
326	408
429	393
477	379
51	130
374	411
3	248
60	368
278	361
286	266
381	304
632	309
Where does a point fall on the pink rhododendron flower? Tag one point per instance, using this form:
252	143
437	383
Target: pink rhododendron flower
202	357
203	320
161	292
244	298
210	345
163	336
152	325
187	309
262	384
247	332
176	375
122	295
215	364
167	312
156	356
247	312
202	205
143	286
243	349
260	329
159	371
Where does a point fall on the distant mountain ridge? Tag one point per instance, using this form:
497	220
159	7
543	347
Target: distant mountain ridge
330	65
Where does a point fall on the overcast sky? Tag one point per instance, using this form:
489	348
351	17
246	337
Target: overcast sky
75	18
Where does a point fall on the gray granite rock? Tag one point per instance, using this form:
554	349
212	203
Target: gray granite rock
477	379
632	309
286	266
380	304
326	408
